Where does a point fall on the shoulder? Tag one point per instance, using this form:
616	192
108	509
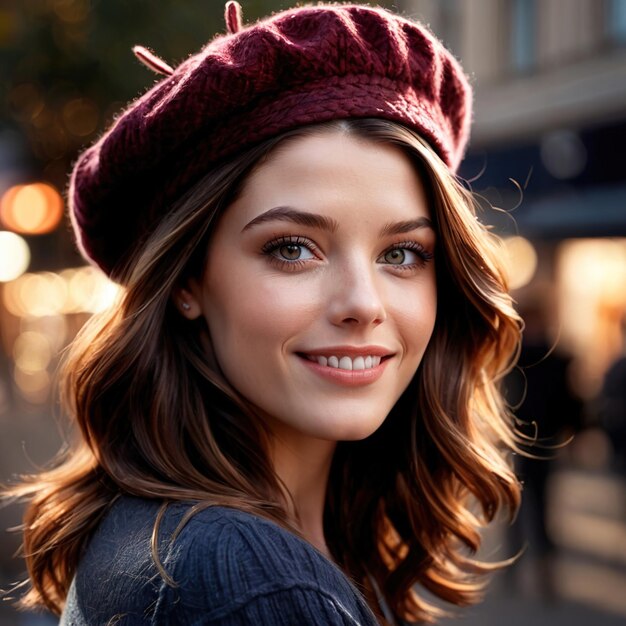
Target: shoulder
224	567
244	545
229	564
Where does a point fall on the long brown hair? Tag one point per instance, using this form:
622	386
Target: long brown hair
157	420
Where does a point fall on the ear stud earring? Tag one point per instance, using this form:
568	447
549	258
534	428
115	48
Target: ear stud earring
185	306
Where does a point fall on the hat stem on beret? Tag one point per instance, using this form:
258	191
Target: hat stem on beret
233	17
152	61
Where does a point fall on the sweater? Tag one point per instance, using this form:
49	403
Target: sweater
230	568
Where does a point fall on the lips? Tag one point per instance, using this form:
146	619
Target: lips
348	366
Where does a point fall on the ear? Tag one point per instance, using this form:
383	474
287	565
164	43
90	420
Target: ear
187	299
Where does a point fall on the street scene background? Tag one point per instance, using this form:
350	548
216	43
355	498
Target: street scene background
547	162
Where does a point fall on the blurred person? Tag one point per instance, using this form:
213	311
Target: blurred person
549	413
293	411
612	405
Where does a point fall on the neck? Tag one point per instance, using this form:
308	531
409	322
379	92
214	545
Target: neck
303	465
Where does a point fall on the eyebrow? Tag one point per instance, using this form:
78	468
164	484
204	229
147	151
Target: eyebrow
289	214
398	228
314	220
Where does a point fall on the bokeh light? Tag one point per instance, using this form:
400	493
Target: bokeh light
521	261
48	294
90	291
54	327
591	275
14	256
10	298
42	294
32	209
34	386
32	352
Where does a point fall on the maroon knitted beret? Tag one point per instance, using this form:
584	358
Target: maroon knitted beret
301	66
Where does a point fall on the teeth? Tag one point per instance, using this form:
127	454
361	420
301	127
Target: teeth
347	363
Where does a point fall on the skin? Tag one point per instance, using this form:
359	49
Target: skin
275	289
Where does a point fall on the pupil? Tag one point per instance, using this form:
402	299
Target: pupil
291	252
395	256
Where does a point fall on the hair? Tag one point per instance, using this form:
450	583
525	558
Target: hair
158	420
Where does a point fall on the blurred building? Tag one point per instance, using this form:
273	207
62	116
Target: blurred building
549	150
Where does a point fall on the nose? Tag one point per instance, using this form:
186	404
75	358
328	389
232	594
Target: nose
356	298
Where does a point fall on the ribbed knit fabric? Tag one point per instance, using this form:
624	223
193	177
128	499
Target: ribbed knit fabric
231	568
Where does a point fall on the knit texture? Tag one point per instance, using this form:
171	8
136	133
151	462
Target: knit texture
230	568
301	66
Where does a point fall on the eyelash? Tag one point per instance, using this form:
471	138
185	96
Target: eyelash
418	248
271	246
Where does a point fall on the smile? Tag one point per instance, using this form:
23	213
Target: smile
351	366
346	362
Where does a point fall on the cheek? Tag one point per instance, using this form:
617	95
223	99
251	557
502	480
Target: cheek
253	311
414	309
415	300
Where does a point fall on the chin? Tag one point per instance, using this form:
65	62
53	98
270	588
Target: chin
349	428
354	422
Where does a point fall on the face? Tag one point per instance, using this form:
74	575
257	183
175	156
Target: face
319	292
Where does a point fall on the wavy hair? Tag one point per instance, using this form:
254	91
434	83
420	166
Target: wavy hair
156	419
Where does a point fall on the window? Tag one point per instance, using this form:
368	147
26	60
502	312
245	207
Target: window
616	20
523	35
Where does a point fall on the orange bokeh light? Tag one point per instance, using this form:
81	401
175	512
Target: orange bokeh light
33	209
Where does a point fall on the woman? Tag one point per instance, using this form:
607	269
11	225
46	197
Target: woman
292	416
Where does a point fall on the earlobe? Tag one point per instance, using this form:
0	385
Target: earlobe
187	303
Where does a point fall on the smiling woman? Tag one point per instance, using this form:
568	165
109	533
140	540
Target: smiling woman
293	415
330	277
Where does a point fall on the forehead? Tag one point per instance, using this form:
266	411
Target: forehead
336	173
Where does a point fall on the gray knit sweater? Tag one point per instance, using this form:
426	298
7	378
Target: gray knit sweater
230	568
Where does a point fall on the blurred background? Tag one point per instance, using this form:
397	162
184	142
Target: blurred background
547	161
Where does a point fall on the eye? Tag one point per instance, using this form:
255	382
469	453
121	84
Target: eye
290	252
293	252
406	255
397	256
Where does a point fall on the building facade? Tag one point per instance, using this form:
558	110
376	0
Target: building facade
548	150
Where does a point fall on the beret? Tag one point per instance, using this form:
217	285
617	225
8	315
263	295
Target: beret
300	66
